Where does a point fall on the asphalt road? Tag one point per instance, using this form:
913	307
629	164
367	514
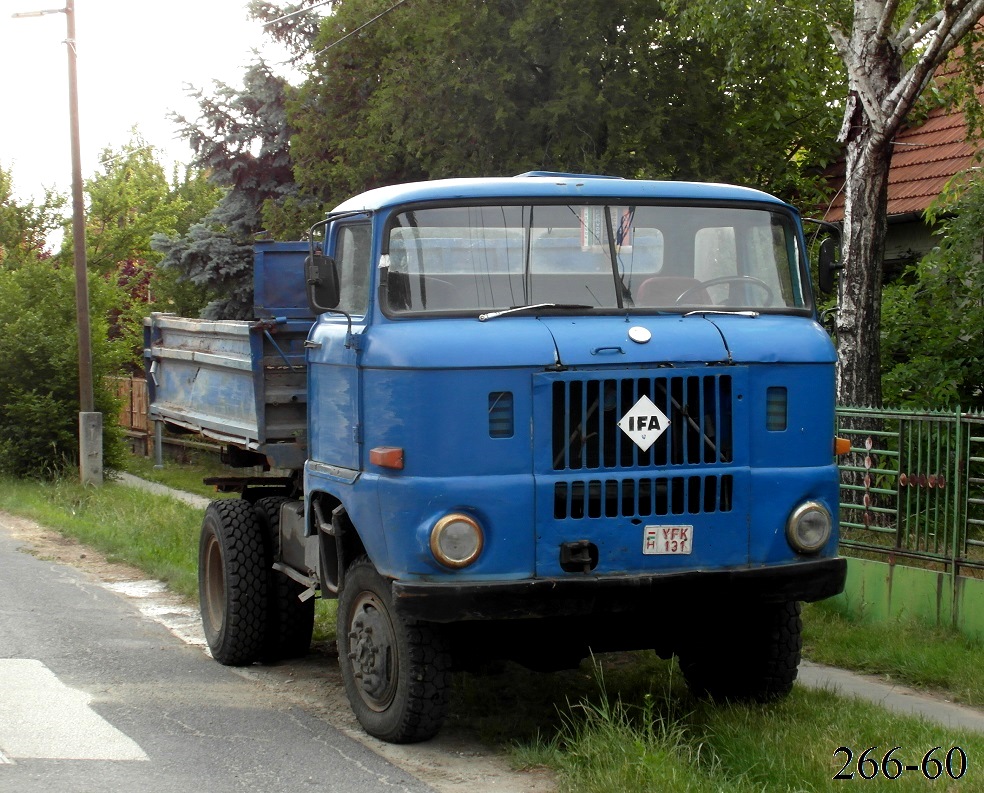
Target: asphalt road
96	699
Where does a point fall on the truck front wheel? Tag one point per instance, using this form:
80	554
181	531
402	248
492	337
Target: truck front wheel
396	673
751	653
232	582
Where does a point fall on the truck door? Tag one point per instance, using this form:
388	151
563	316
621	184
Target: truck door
333	347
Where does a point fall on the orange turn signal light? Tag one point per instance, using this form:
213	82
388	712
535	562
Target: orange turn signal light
842	446
387	457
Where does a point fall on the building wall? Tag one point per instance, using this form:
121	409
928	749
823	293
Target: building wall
908	240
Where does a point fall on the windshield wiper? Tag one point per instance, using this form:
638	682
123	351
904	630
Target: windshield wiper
514	309
751	314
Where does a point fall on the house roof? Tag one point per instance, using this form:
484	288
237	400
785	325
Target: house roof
926	157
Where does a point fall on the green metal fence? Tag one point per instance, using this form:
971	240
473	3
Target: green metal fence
912	488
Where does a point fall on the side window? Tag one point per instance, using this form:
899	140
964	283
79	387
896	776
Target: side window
352	249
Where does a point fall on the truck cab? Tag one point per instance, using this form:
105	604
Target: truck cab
555	414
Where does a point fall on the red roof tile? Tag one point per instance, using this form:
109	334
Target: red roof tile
924	160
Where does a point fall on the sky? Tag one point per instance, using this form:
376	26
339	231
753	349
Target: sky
134	59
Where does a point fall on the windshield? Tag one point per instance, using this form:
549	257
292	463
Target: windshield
593	257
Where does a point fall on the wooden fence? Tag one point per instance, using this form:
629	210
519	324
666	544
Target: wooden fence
132	393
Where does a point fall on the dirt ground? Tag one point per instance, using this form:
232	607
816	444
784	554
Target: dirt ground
448	763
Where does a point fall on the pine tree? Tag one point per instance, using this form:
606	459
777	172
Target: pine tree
242	140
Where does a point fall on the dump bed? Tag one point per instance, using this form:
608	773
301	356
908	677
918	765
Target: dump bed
242	383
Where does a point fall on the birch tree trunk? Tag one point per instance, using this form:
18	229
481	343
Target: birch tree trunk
881	94
874	68
859	314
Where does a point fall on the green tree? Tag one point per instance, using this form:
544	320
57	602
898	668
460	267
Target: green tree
454	88
933	318
295	25
130	199
438	88
193	197
39	398
25	228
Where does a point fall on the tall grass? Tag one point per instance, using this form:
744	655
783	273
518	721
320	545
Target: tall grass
669	742
607	744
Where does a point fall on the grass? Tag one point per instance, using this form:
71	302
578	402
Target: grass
627	723
622	722
185	475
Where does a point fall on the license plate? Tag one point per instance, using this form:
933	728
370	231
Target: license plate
668	540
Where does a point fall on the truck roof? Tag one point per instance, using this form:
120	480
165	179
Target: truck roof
553	186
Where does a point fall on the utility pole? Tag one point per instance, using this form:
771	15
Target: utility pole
90	422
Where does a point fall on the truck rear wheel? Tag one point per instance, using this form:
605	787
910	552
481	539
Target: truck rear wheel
752	653
290	621
232	582
396	673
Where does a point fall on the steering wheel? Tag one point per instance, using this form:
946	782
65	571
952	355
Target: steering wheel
730	279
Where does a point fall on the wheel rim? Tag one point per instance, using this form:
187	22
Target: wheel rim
373	652
214	589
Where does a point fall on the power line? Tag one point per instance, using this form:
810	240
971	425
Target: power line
295	13
361	27
126	154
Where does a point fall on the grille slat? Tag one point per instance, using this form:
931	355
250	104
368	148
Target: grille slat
630	498
586	413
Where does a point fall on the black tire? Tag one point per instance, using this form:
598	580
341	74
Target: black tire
396	673
232	582
753	654
290	621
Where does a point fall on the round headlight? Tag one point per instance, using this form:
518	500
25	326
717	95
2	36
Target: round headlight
456	540
809	527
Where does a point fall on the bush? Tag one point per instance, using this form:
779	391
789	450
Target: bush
39	393
30	444
933	318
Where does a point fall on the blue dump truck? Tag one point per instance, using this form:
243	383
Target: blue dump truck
519	418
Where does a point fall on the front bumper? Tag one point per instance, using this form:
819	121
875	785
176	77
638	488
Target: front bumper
576	595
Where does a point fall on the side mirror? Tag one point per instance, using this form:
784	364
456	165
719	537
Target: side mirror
827	265
323	289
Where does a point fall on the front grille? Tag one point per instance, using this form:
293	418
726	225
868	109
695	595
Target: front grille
610	498
586	412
